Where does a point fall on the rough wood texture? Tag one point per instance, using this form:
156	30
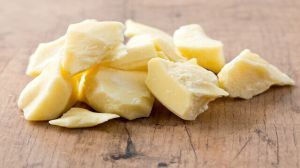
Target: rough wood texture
261	132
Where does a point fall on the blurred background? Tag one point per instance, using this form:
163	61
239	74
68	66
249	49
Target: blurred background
238	23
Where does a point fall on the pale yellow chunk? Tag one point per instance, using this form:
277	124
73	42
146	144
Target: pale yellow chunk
89	42
82	118
78	82
119	92
169	49
133	29
248	75
162	41
161	54
193	61
47	96
140	50
44	54
184	88
194	43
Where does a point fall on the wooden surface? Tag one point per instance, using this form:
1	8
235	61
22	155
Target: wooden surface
261	132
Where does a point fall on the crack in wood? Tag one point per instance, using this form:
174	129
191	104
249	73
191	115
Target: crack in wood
162	165
277	147
242	148
190	141
130	150
264	137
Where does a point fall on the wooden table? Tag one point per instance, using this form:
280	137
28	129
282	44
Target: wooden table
261	132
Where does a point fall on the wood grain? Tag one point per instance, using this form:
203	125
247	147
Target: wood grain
261	132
